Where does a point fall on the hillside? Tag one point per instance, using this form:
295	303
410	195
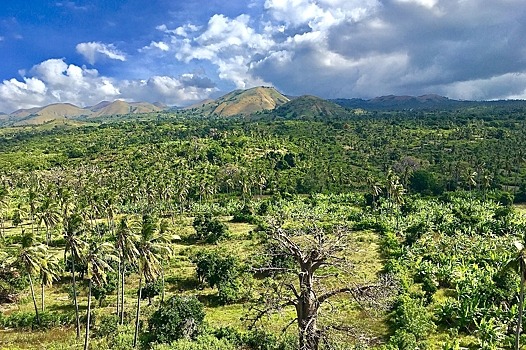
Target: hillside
309	107
424	102
119	107
250	103
244	102
60	111
47	113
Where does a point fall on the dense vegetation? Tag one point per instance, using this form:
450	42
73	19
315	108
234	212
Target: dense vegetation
392	230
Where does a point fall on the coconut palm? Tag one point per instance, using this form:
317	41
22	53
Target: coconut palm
4	204
151	246
49	214
30	256
97	260
126	245
32	202
49	270
519	264
73	228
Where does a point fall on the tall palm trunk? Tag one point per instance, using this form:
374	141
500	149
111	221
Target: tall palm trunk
118	285
48	235
122	293
43	296
138	310
88	318
34	299
77	318
521	307
162	279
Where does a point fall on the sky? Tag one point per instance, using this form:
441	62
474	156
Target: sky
180	52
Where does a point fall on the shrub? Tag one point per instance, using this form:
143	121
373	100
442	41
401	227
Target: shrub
203	342
209	229
100	291
151	290
117	337
28	320
263	340
411	316
219	271
107	326
177	318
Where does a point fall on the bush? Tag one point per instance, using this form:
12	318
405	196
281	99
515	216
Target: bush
219	271
263	340
28	320
411	316
209	229
118	337
101	291
177	318
108	326
151	290
203	342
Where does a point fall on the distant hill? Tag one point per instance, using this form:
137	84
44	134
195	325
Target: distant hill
243	102
401	102
309	107
119	107
59	111
258	102
47	113
431	101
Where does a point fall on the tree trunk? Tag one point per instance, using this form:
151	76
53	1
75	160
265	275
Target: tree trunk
77	318
122	293
37	316
88	318
521	307
162	279
307	313
118	285
43	296
138	311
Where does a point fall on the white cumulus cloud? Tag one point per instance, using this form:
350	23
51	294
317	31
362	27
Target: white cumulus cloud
159	45
55	81
92	51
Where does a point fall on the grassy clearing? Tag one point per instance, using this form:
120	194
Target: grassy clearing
180	279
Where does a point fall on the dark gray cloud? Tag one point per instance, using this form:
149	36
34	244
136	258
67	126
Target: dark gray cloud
337	48
466	49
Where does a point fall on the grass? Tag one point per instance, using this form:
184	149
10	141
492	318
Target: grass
180	280
14	339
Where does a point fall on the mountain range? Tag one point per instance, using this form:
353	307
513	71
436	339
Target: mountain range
247	103
59	111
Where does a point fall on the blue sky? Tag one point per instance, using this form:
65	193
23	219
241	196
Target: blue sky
180	52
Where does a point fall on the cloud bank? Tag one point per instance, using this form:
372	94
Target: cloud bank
93	51
54	81
331	48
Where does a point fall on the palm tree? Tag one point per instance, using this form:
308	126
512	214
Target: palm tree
151	246
126	246
97	258
49	270
73	228
4	204
32	202
376	190
163	234
519	264
30	258
48	213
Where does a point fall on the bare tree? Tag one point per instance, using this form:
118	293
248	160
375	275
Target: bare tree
315	256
